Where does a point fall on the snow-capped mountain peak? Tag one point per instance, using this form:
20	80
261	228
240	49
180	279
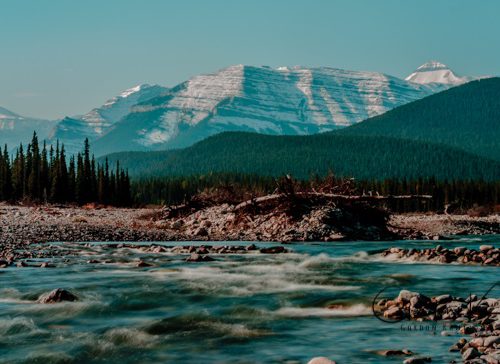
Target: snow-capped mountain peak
435	72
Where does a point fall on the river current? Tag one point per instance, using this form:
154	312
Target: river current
240	308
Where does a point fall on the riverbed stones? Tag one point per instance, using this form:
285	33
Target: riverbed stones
393	313
485	255
56	296
477	318
491	341
485	248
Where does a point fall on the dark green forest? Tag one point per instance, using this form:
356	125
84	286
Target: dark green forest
364	158
465	117
39	175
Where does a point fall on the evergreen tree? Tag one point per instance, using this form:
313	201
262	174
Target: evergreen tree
34	171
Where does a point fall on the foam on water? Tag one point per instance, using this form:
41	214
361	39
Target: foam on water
18	326
350	311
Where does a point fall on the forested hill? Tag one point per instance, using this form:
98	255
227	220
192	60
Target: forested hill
465	117
358	156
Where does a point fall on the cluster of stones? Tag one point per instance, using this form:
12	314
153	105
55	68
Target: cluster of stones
478	317
197	253
485	255
29	255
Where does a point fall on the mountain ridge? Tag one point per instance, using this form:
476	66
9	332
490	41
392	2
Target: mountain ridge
278	101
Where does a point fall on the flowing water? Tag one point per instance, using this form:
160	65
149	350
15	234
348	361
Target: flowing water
247	308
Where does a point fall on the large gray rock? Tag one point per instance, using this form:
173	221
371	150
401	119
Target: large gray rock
470	353
491	340
405	296
57	295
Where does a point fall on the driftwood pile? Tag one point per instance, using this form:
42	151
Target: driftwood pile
328	211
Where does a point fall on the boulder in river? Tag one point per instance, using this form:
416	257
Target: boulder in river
320	360
273	250
57	295
143	264
195	257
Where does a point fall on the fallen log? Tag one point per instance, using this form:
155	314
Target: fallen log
329	196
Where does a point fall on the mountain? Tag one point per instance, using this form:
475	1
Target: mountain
364	157
72	130
437	73
15	128
465	117
279	101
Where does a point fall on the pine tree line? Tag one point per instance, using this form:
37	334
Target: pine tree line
45	175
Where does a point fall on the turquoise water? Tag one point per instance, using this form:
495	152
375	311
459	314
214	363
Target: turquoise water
249	308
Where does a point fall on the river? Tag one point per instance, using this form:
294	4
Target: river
241	308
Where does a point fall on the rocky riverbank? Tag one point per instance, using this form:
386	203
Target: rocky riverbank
476	317
24	225
485	255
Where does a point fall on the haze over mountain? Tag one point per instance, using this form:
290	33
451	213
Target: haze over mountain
16	129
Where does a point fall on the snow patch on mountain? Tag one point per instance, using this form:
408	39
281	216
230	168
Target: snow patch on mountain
436	72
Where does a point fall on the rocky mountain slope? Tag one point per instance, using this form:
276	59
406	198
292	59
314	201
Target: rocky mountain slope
280	101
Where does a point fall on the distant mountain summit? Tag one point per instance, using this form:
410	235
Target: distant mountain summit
16	129
437	73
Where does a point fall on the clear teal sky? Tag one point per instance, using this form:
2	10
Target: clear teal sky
63	57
